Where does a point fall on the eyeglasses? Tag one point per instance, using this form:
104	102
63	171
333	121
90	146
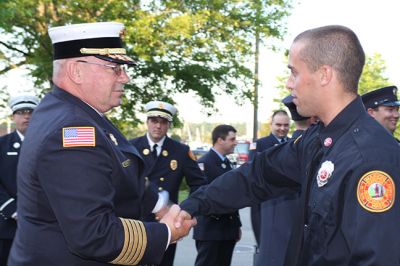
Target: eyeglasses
116	68
24	111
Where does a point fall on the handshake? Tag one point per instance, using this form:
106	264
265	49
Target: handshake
178	221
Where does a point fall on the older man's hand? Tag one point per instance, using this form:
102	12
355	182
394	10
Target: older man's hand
171	219
181	218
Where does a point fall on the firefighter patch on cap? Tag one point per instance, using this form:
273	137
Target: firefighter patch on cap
376	191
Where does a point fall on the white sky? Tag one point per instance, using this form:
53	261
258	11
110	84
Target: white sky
375	23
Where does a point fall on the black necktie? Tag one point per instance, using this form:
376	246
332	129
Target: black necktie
155	151
295	248
227	163
283	140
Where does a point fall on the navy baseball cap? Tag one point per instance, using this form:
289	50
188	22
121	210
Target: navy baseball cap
288	102
386	96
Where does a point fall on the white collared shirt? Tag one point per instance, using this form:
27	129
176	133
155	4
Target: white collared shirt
159	144
22	137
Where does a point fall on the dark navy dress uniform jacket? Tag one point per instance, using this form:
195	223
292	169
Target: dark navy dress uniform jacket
76	204
264	143
10	146
166	172
261	145
278	218
341	230
216	227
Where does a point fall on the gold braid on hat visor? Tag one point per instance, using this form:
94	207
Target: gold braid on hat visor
113	53
102	51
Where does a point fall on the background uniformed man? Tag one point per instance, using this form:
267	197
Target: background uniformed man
167	161
301	123
216	235
279	215
280	123
80	183
346	168
22	107
383	105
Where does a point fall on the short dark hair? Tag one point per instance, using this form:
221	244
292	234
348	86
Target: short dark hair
335	46
277	112
221	131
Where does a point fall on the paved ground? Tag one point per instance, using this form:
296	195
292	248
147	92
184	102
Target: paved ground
243	253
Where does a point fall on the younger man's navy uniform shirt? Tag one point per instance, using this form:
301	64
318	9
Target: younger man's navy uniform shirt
350	204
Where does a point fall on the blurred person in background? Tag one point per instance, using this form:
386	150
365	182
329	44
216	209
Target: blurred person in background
301	123
280	122
167	161
216	235
21	107
383	105
279	215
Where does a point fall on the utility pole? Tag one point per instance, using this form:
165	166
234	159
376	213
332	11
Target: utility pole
256	79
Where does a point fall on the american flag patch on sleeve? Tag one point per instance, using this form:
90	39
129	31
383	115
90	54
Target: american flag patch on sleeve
78	136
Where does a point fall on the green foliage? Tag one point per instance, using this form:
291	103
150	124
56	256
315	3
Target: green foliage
373	76
4	99
183	192
265	129
181	46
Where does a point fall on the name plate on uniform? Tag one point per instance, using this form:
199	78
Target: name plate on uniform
126	163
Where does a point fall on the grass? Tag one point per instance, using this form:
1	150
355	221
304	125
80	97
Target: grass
183	194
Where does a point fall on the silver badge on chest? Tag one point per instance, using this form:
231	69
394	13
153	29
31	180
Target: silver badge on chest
16	145
325	173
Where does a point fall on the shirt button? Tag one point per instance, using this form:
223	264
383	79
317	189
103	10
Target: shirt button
146	178
160	188
161	179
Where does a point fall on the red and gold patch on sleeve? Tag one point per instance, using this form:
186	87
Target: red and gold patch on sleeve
376	191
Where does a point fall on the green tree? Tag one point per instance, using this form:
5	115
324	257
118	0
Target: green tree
180	46
373	76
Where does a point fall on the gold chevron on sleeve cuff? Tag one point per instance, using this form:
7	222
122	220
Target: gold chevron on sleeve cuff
135	243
